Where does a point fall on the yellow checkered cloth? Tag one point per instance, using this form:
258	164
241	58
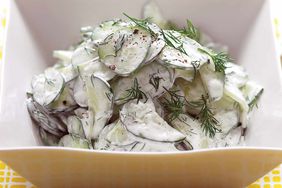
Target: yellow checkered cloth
10	179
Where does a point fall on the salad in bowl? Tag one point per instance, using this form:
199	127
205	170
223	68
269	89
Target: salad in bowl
143	85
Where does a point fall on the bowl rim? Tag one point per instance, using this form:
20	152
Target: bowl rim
167	153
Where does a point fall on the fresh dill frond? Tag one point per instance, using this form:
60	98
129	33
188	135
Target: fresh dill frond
190	31
155	81
219	59
133	93
174	105
254	103
209	123
169	38
143	23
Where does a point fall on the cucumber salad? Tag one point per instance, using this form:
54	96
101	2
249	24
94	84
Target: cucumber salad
143	85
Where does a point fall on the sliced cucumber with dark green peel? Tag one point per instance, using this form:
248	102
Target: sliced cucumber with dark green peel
153	80
43	119
142	120
213	82
130	55
157	45
79	92
48	138
193	59
64	102
75	127
74	142
47	87
100	102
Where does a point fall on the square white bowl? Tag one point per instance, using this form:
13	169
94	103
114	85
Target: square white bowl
36	28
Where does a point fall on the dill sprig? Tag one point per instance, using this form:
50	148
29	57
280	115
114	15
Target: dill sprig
190	31
254	103
134	92
169	37
155	81
143	23
219	59
174	106
209	123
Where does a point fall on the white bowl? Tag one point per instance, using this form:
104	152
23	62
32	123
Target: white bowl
36	28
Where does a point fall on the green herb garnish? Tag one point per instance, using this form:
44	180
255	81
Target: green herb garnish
209	123
191	31
254	102
219	59
133	93
155	81
143	23
174	106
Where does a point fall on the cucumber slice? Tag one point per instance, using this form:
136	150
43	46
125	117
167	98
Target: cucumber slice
68	72
142	120
63	55
79	92
102	143
157	44
193	91
175	59
74	142
187	75
130	54
43	119
100	102
233	138
97	68
228	120
107	28
118	135
191	128
47	87
235	75
252	91
213	82
115	137
152	79
85	53
48	138
234	93
64	102
75	127
87	120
